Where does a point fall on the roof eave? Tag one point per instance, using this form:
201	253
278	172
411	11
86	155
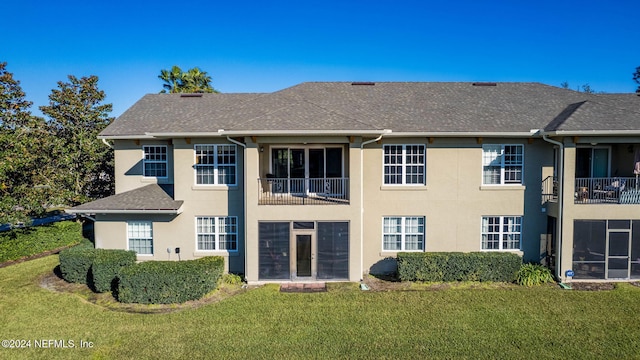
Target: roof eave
126	211
514	134
593	133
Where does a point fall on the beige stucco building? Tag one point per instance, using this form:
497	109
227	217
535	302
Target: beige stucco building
329	181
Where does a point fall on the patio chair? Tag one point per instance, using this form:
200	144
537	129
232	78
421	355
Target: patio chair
612	191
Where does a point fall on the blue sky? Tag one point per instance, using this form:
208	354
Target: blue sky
263	46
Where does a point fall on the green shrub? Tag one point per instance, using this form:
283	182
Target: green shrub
531	274
166	282
105	267
75	263
232	279
458	266
19	243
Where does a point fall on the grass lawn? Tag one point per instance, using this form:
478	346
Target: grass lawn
507	322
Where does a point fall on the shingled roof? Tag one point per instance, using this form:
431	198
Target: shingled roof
402	107
151	198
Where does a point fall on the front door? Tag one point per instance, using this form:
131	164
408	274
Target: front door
618	257
303	265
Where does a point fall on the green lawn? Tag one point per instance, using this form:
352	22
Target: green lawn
507	323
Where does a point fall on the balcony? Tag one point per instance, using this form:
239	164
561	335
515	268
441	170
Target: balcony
303	191
612	190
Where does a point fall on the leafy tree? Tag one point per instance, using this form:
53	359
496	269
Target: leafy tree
24	147
192	81
585	88
636	78
84	165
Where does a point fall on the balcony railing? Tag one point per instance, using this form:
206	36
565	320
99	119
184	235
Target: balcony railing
616	190
303	191
549	189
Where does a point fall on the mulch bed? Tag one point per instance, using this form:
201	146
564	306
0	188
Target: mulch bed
592	286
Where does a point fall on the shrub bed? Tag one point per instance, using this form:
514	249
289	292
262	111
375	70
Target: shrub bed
167	282
458	266
75	263
20	243
106	265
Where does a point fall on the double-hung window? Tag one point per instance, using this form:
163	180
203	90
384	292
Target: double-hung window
404	164
140	237
154	161
215	164
403	233
501	232
217	233
502	164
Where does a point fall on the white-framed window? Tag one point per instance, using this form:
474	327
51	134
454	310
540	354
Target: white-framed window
215	164
501	232
502	164
403	233
217	233
140	237
404	164
154	159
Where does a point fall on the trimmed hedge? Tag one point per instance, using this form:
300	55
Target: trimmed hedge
168	282
75	263
106	265
458	266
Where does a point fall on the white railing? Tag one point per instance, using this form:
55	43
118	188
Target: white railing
303	191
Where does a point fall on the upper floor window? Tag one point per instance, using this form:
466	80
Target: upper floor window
404	164
215	164
217	233
154	161
502	164
403	233
501	232
140	237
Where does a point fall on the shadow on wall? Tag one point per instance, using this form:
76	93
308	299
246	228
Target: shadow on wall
386	266
135	169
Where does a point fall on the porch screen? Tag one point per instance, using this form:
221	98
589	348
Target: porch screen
273	250
333	250
589	248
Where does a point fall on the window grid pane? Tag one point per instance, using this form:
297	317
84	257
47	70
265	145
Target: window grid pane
501	232
217	233
404	164
154	161
140	237
502	164
403	233
215	164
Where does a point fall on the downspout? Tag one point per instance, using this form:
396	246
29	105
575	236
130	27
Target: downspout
362	201
560	203
244	204
106	143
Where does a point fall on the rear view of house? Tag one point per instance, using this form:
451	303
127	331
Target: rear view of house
328	181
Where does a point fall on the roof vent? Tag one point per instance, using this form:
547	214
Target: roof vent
191	95
359	83
484	84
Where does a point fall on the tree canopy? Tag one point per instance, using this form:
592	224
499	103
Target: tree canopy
54	162
636	78
76	116
192	81
23	153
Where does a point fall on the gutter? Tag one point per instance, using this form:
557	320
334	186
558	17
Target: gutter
244	203
386	132
560	201
125	211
